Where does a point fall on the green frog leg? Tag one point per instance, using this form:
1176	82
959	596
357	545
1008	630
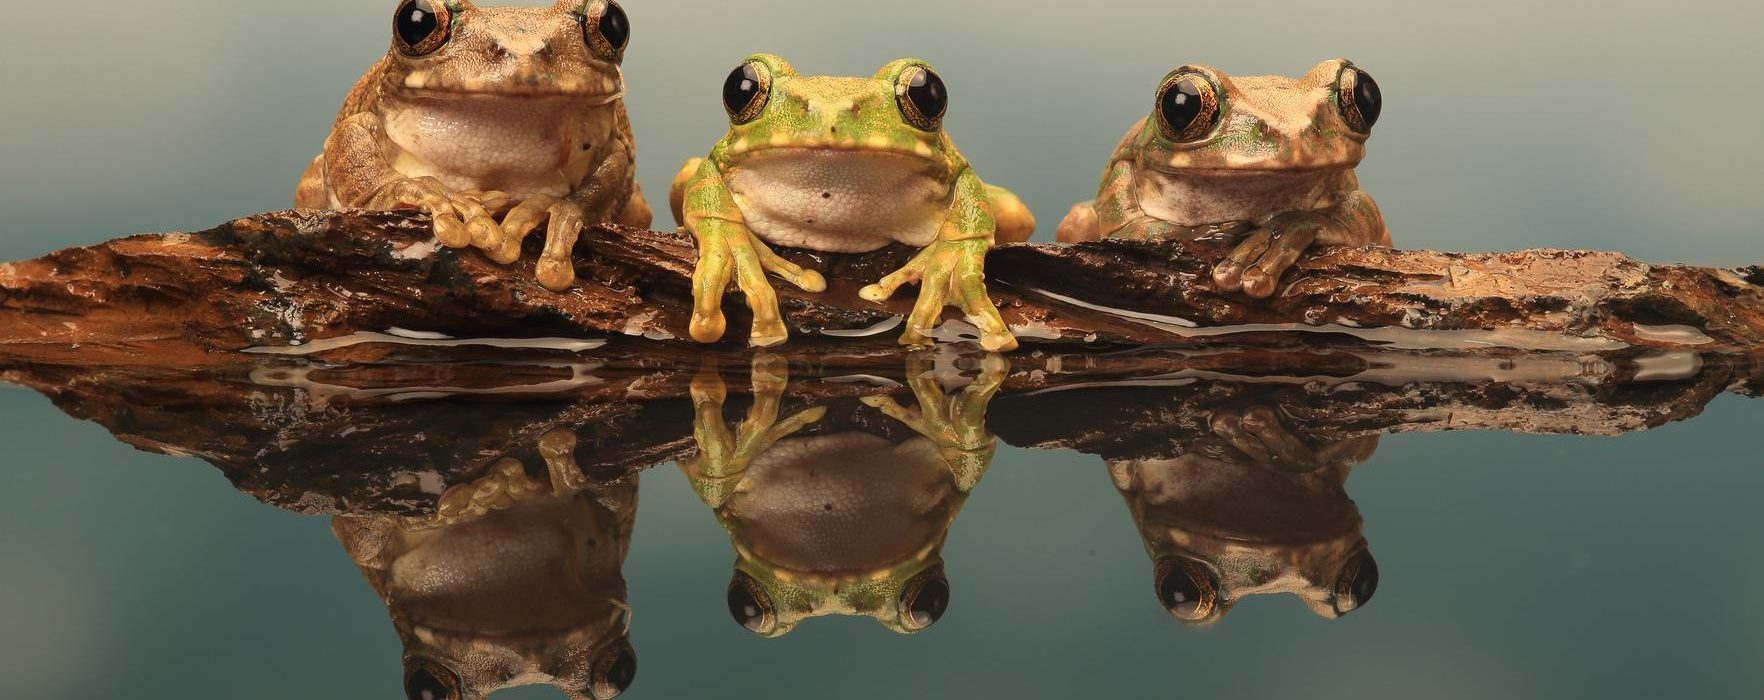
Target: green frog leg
724	454
1256	265
953	266
1016	224
727	247
358	172
956	424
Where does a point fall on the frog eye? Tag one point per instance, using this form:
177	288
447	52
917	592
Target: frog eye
750	606
614	672
427	680
746	92
922	98
1360	100
1357	583
924	600
1188	589
421	27
607	29
1188	106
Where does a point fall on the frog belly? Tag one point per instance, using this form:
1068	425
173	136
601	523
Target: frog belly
839	201
520	146
1213	197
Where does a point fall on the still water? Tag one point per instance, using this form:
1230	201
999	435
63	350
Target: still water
1342	522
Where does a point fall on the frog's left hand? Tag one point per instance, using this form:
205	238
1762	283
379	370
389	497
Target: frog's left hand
947	269
956	424
1256	265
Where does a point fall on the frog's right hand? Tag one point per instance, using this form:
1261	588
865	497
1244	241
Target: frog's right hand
727	249
458	217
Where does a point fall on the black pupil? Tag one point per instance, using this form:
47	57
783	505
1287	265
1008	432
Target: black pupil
742	88
744	608
933	600
1365	583
928	94
1180	593
417	22
615	26
423	685
1182	105
1367	97
623	672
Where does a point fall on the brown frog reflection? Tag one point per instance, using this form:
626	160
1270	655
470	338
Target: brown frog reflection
842	515
516	580
1253	510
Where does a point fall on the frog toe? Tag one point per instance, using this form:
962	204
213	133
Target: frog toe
556	275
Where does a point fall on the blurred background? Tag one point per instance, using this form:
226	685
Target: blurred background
1514	566
1508	124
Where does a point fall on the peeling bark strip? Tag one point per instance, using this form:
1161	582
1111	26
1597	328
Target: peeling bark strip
290	279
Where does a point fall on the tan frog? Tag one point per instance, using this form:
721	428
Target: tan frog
515	580
1269	155
476	113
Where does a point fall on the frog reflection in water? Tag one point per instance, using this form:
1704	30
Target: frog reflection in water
842	165
1269	157
514	581
846	521
1256	510
480	112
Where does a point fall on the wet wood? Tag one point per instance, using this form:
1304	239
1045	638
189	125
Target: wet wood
298	279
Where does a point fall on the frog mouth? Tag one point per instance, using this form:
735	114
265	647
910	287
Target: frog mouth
852	149
1261	170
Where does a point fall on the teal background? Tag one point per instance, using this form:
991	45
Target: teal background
1514	566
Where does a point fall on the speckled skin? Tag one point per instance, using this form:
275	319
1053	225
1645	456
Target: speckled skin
516	115
1279	165
515	582
842	523
830	164
1258	510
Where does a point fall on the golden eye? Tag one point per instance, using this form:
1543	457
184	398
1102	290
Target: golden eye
1188	106
924	600
1357	583
614	672
922	98
427	680
1187	589
750	606
746	92
1359	98
607	29
421	27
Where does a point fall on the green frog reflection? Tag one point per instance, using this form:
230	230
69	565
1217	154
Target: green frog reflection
1254	510
844	515
514	581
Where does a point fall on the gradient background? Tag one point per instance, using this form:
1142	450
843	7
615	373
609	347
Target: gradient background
1514	566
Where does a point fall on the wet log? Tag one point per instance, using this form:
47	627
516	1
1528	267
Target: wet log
321	283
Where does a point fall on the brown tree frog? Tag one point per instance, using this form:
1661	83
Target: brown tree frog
1267	155
481	112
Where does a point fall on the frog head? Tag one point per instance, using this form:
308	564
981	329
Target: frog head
909	597
1207	122
896	113
452	48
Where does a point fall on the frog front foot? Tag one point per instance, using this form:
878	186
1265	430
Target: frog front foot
724	454
458	218
565	220
1256	265
943	270
955	423
725	250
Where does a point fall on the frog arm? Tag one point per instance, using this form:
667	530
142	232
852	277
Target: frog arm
1256	265
598	197
953	266
359	173
727	248
955	424
724	454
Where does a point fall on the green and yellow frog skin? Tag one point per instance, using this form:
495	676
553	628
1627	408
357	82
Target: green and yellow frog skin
1256	510
842	165
513	581
1268	156
845	521
485	112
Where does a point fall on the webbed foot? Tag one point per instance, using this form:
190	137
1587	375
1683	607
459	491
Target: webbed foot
956	424
724	454
725	250
943	270
458	218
